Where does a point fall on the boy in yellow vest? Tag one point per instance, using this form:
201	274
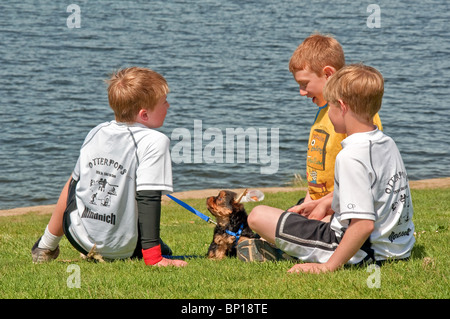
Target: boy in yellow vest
312	64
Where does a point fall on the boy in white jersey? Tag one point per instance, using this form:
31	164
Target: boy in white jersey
372	219
113	198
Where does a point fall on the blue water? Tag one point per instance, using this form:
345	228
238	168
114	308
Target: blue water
226	63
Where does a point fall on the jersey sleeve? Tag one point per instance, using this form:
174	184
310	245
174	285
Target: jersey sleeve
154	170
354	186
76	170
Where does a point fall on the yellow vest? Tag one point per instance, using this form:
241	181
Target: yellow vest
323	146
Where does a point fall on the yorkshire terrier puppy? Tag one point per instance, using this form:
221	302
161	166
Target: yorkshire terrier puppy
231	225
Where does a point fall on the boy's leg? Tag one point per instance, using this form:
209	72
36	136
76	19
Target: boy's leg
47	246
55	225
300	237
263	220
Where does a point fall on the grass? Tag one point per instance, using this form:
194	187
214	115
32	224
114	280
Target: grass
424	276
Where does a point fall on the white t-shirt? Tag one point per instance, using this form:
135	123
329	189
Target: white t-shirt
117	160
371	183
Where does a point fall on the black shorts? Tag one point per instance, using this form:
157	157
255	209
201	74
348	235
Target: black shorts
70	207
306	239
311	240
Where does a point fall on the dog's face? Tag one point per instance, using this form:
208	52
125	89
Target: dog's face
222	205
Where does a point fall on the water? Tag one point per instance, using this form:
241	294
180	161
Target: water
226	64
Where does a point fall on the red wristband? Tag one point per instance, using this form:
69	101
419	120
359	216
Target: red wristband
152	255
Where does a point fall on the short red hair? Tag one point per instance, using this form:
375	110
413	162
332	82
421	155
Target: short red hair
316	52
133	89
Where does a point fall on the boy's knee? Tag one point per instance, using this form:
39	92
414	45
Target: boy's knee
255	215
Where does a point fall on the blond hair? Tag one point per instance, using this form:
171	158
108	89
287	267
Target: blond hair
316	52
133	89
359	86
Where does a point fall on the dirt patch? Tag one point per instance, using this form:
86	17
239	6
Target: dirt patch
196	194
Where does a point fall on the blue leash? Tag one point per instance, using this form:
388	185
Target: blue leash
205	218
192	209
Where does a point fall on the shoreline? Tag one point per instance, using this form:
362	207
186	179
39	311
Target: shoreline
204	193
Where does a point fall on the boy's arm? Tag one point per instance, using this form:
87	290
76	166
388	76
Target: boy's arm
354	237
149	215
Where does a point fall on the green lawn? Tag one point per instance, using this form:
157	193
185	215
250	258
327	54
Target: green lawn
424	276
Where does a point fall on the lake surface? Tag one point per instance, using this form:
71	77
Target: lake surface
226	63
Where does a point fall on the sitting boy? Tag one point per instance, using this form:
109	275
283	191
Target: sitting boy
112	201
314	61
372	219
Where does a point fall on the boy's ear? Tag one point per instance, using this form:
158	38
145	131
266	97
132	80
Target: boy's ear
344	107
329	71
143	114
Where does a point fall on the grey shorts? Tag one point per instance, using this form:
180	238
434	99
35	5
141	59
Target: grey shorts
306	239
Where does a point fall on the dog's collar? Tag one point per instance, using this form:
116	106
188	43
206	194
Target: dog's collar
237	235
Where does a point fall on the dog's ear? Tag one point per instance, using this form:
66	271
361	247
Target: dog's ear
238	200
236	204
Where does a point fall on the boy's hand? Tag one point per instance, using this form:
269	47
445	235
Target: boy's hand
171	262
315	209
297	209
309	268
304	209
320	212
311	210
152	257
